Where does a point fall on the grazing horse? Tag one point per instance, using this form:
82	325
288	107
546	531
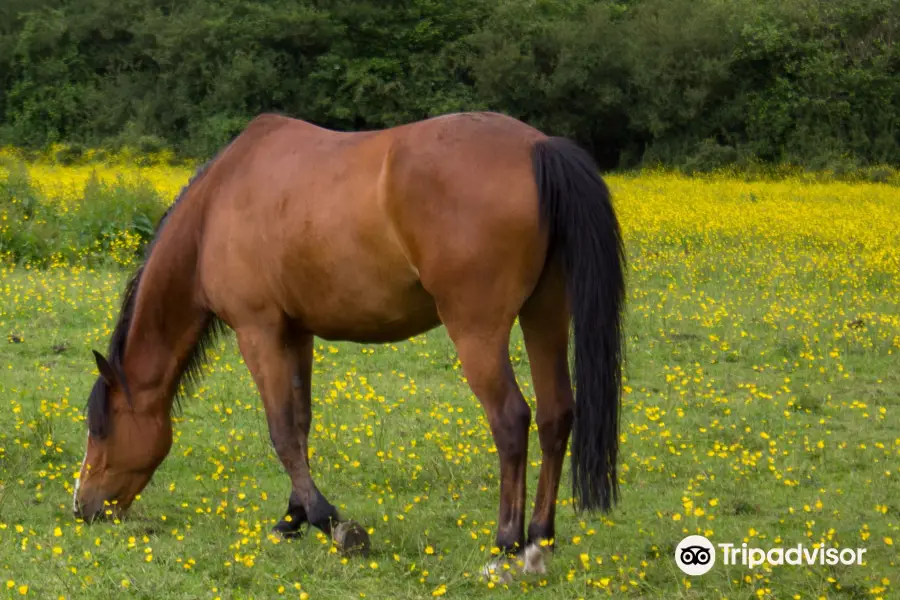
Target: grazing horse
293	231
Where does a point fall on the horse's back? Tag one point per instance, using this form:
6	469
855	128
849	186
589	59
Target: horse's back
351	234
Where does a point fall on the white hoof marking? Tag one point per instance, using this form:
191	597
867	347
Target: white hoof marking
535	555
533	560
498	570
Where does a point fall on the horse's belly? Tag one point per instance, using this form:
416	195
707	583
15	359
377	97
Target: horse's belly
377	332
367	314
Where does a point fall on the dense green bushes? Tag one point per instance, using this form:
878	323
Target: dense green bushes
696	83
108	223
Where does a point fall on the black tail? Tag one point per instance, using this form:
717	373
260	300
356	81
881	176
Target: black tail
585	235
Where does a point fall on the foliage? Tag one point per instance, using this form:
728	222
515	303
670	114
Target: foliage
98	221
699	83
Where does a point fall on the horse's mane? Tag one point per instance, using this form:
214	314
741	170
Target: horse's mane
98	414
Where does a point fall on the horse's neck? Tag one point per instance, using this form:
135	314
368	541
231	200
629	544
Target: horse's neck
168	318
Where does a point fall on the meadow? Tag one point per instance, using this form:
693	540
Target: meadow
762	406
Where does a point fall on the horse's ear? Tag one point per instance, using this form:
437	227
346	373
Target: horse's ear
106	371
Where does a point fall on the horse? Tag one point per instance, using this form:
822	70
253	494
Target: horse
468	221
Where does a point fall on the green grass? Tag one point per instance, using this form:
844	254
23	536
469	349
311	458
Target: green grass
742	401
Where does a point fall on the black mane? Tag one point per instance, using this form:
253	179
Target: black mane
98	402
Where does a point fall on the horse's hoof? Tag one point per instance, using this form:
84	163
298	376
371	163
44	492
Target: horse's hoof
289	529
536	557
351	538
499	570
505	568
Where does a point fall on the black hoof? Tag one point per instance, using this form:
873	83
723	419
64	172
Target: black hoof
290	527
351	539
291	524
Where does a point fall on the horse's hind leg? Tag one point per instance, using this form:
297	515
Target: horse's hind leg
485	362
545	325
480	332
281	364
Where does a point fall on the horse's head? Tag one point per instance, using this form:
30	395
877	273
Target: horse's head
127	440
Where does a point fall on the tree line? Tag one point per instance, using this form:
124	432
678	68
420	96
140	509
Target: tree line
698	83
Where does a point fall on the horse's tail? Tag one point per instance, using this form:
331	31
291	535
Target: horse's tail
585	236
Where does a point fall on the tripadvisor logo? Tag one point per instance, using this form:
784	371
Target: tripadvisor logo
696	555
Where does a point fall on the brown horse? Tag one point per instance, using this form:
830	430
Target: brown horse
294	231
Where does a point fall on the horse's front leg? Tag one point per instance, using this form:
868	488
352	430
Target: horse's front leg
281	364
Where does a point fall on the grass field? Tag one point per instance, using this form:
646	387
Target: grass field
762	406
